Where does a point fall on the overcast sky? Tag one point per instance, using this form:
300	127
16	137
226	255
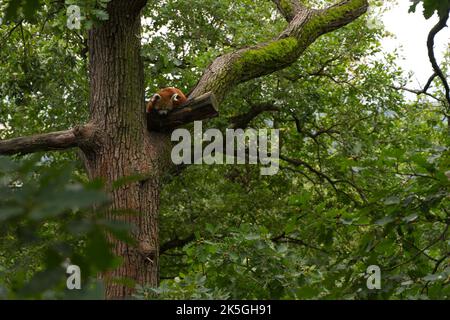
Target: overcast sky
411	30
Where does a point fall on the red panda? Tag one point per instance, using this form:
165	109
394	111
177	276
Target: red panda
165	100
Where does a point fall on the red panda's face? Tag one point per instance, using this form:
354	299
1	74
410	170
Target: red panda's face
165	100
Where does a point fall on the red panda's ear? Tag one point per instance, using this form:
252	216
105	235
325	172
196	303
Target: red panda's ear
175	97
156	97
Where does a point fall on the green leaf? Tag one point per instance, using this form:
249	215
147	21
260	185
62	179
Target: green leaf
384	221
252	236
392	200
411	217
413	7
434	277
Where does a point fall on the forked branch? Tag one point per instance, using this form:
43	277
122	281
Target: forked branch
231	69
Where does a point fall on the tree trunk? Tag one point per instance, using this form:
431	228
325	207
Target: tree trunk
126	148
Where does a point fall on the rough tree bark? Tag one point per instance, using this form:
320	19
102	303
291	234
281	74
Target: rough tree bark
116	142
126	148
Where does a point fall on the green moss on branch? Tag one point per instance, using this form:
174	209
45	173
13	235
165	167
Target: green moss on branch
268	56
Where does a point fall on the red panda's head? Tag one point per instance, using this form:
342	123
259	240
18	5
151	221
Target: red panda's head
165	100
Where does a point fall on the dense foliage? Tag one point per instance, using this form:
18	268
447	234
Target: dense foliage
363	172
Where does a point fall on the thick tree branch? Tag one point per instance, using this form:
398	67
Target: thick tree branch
430	44
80	136
245	64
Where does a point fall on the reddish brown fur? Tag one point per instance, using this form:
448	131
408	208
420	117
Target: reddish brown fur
166	103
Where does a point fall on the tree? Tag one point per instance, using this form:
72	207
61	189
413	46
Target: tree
116	143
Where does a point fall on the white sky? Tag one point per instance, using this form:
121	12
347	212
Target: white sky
411	31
